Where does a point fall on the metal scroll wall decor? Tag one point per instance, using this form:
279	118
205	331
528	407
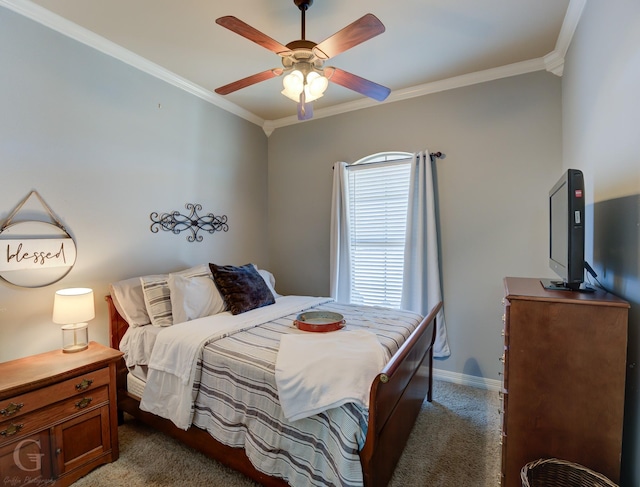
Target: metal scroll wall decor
176	222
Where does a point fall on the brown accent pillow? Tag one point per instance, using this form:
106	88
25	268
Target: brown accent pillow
242	288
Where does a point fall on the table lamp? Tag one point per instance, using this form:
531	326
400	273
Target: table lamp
72	308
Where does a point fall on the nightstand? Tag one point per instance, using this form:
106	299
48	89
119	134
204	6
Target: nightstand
58	415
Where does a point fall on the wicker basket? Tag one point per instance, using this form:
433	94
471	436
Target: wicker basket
552	472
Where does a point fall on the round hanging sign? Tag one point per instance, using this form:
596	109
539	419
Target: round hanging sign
35	253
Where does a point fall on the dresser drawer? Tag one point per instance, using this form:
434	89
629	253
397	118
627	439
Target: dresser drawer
36	420
31	401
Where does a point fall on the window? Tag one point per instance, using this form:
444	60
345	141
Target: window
378	198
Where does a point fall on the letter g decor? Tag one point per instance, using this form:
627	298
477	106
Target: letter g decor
176	222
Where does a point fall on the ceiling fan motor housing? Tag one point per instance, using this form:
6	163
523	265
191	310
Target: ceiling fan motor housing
303	4
301	51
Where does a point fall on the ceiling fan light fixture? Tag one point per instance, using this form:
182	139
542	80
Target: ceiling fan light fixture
293	84
313	84
316	84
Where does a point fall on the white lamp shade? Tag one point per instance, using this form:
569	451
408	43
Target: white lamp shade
293	84
317	84
314	85
73	305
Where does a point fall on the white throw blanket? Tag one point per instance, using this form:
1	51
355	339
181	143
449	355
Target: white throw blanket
172	367
319	371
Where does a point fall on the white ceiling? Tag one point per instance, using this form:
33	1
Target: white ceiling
428	45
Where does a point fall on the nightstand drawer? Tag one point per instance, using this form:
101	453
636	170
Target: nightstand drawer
28	423
20	405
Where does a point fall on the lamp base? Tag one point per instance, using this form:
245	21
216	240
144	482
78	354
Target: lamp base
75	348
75	338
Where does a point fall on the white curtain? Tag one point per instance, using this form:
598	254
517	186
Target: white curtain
421	280
340	254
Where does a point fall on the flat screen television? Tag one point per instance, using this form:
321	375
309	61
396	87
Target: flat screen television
566	232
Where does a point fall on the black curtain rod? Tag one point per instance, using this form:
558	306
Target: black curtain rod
432	156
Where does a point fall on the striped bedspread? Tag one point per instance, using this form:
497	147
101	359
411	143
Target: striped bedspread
237	401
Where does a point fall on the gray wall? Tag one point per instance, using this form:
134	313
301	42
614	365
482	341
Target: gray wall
86	131
503	145
601	119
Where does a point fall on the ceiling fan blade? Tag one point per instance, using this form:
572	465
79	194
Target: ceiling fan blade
356	83
245	30
248	81
353	34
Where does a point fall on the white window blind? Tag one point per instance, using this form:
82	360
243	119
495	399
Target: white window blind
378	196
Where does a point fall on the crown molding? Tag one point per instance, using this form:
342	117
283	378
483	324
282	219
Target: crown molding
507	71
569	25
63	26
552	62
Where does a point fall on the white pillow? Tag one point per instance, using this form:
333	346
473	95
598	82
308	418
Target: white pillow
129	301
193	297
270	280
157	296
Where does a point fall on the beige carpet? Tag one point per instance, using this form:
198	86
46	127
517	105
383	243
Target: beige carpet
455	443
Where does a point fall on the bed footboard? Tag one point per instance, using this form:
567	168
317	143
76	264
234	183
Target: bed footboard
396	397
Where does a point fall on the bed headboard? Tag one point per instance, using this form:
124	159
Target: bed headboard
117	324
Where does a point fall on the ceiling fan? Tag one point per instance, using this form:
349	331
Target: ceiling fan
307	78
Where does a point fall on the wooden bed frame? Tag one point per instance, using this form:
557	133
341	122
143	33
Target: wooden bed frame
397	394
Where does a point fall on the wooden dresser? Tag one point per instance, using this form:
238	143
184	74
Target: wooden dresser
58	415
563	378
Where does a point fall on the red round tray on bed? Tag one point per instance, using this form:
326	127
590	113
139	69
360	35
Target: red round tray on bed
319	321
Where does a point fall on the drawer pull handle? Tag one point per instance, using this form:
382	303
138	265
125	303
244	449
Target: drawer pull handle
12	429
11	409
84	402
84	384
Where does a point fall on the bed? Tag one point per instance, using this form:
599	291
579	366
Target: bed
395	394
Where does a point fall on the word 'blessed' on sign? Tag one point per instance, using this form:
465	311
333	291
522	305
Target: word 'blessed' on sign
37	253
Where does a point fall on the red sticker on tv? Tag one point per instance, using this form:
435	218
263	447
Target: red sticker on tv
578	193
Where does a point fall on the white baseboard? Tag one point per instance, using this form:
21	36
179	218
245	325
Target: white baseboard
467	380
